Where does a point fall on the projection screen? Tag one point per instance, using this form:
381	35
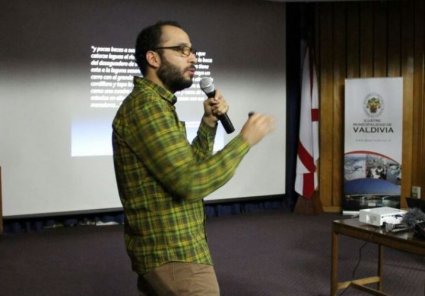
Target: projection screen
65	67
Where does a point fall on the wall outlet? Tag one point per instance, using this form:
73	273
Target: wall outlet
416	191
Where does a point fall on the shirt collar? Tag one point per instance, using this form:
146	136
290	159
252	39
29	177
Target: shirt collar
164	93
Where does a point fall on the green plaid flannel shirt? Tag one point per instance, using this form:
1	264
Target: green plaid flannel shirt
162	178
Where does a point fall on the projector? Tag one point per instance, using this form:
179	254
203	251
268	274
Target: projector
379	216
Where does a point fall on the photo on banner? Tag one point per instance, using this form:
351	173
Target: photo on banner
372	143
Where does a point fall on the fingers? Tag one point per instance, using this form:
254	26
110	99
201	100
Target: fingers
220	109
257	127
264	121
218	104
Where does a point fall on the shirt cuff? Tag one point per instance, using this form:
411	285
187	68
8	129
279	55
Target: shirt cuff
239	144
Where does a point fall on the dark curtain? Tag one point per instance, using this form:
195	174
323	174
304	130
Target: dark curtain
293	94
34	224
300	20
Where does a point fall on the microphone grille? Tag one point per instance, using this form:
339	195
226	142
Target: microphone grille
207	85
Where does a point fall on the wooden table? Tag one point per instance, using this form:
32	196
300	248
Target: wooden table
354	228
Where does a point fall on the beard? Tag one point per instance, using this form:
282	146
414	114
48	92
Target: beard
172	77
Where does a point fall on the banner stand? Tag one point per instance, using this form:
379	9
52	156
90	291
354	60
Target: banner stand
372	143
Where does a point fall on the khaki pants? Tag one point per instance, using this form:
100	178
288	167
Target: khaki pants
179	279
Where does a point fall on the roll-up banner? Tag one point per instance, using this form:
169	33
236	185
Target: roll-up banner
373	143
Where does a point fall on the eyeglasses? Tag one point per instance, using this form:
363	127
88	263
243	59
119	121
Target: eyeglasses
183	49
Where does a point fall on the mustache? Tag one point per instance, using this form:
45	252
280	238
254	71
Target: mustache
191	68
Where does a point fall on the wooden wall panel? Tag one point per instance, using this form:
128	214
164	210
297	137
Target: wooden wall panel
353	40
339	69
418	166
380	31
370	39
325	52
394	43
366	39
407	45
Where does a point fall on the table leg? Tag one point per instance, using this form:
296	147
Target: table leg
334	264
380	266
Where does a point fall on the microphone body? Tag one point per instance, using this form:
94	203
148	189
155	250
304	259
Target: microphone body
208	88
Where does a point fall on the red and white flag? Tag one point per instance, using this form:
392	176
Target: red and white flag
306	180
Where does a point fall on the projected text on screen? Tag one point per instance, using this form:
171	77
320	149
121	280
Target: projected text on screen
112	70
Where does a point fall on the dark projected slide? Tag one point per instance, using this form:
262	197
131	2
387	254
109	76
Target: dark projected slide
66	66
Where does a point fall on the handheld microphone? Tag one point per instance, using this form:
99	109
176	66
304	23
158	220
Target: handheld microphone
208	88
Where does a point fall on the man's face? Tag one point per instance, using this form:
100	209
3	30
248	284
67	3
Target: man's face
176	70
173	77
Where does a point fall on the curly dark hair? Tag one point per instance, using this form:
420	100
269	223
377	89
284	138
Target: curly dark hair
148	39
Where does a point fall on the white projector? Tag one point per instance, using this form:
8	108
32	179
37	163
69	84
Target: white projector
377	216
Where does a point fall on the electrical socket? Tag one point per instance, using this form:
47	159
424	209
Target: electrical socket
416	191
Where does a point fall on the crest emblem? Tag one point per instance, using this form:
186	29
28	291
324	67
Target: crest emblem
373	105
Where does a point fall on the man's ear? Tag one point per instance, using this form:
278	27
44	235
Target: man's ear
153	59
